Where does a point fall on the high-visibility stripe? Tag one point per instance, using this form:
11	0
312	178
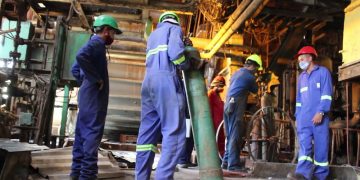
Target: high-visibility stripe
157	50
323	97
321	164
303	89
305	158
179	61
298	104
146	147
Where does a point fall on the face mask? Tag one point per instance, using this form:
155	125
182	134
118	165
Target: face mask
219	89
109	40
304	64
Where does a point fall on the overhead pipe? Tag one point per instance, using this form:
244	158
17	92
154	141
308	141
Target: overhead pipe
202	43
243	5
222	37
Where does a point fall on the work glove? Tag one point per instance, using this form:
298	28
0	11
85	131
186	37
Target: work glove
193	55
187	41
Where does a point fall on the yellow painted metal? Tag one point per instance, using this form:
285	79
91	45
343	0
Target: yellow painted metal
225	32
351	42
202	43
240	9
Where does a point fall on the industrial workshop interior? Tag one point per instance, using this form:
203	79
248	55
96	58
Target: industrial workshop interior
188	89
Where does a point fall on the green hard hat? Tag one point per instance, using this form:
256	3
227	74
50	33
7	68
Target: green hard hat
107	20
257	59
168	14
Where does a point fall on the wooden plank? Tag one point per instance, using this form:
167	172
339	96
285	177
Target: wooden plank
349	71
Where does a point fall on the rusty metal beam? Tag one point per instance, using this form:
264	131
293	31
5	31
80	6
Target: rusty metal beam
7	31
180	8
294	14
2	8
37	15
78	9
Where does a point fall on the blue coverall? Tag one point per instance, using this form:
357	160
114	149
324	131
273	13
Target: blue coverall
93	104
314	95
77	73
162	103
241	83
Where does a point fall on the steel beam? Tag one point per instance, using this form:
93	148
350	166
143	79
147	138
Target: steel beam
180	8
64	113
38	16
78	9
45	123
2	8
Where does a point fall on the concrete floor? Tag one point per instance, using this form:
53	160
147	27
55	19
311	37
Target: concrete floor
55	164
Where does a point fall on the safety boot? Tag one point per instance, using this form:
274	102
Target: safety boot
295	176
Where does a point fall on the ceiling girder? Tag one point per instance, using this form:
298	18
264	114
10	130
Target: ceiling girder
180	8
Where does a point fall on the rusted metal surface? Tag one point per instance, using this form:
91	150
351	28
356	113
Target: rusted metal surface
14	165
79	10
56	163
280	170
15	159
184	8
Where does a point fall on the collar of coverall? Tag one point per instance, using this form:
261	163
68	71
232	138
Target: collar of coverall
98	38
316	67
171	21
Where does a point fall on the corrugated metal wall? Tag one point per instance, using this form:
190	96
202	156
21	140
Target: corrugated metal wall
126	72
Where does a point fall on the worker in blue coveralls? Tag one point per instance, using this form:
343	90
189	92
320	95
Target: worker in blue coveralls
162	100
93	100
241	83
77	73
313	101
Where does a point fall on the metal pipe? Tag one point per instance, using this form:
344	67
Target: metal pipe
240	20
202	43
7	31
347	123
203	129
64	113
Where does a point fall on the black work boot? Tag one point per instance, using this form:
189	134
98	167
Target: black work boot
74	177
224	166
295	176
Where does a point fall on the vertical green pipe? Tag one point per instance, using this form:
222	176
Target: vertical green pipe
203	128
64	110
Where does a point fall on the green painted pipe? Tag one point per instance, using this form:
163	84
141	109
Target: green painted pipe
203	128
64	110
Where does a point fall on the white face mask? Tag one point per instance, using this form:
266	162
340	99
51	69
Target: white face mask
304	65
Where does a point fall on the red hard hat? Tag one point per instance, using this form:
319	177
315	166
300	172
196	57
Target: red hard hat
218	81
307	50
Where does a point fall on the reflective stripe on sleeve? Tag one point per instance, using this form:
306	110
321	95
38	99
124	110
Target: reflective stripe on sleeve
157	50
179	60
